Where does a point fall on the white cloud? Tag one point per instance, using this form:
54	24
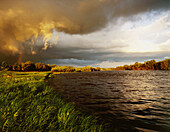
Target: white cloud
165	46
148	38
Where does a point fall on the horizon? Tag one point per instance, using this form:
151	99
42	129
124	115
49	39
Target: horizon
75	66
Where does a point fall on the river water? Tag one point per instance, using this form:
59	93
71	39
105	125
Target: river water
126	100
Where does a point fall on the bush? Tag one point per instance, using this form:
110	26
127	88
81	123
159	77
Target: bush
87	69
63	69
72	69
42	67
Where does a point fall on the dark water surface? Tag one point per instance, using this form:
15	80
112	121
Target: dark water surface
128	100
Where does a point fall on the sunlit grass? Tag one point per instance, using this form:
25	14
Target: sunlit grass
28	104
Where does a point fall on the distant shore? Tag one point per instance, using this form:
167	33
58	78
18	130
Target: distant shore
40	67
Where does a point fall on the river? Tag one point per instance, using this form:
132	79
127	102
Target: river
127	100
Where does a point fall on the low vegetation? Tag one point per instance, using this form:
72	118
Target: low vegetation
148	65
73	69
28	104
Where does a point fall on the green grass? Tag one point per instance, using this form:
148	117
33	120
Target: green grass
28	104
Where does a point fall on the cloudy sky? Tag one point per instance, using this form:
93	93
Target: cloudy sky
105	33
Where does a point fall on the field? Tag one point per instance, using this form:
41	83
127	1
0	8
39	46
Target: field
27	103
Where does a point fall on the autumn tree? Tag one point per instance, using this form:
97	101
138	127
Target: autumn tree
42	67
28	66
148	65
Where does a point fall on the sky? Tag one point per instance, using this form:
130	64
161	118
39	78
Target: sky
98	33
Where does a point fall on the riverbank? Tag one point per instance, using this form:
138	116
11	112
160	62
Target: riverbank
29	104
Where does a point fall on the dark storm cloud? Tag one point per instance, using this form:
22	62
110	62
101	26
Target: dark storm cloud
73	52
133	7
72	62
110	57
69	56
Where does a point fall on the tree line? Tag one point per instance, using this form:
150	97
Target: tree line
30	66
27	66
148	65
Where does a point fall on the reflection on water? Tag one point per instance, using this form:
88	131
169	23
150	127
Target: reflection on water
128	100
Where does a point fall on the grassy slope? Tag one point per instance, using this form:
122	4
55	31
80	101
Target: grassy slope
28	104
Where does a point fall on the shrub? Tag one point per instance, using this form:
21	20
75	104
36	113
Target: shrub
42	67
63	69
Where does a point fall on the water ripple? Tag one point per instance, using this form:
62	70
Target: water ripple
128	100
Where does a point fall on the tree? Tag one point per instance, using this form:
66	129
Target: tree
39	66
42	67
28	66
87	69
148	65
98	69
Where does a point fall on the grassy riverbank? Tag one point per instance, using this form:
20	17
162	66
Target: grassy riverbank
28	104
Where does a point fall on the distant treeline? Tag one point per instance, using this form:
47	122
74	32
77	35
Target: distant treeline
30	66
27	66
148	65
